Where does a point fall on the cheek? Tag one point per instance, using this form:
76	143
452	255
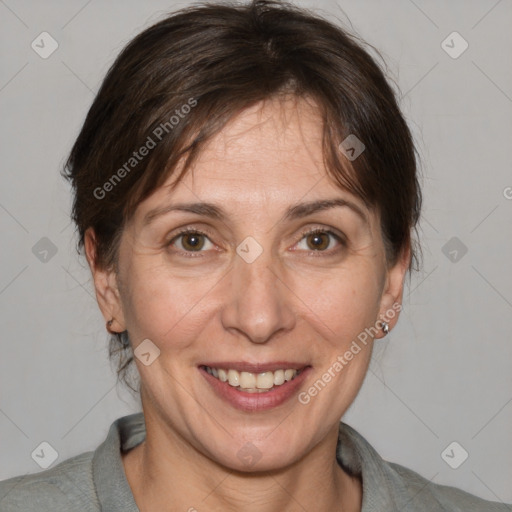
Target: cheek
341	304
164	307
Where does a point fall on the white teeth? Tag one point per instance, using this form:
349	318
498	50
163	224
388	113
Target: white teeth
278	377
265	380
233	378
247	380
289	374
252	382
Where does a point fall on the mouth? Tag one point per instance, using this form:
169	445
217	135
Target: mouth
254	387
253	382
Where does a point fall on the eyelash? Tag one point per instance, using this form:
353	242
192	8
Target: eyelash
196	254
338	237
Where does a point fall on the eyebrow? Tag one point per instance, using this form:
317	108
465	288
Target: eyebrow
297	211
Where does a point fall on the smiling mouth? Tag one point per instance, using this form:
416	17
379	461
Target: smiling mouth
253	382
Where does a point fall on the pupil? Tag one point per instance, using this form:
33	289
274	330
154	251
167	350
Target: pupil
317	241
193	241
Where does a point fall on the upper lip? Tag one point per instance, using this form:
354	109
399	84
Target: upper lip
243	366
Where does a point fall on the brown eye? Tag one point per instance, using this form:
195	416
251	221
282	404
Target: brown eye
320	240
191	241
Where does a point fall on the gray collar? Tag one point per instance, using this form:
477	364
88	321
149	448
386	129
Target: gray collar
114	492
353	453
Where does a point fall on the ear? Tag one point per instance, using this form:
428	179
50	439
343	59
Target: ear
391	301
105	283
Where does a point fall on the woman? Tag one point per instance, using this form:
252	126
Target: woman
245	191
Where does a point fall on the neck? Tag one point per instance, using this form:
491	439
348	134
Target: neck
165	473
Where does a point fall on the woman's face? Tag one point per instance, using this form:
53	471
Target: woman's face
249	292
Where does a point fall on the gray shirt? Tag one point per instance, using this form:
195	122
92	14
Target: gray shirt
95	481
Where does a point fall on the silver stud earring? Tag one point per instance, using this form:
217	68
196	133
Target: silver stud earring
385	328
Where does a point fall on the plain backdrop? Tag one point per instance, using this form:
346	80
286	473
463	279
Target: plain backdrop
442	375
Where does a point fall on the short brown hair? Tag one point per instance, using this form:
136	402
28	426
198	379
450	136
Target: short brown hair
208	62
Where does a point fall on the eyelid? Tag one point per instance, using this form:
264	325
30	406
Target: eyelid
187	229
323	229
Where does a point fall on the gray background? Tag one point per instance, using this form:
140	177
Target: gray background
444	374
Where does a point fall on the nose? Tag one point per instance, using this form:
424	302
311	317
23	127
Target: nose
258	302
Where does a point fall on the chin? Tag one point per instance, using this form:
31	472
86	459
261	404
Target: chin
250	459
247	456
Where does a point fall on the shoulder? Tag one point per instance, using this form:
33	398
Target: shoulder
419	493
388	486
67	487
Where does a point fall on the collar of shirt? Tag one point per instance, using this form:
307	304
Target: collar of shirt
353	453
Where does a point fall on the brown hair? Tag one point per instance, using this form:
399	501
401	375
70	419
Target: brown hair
177	83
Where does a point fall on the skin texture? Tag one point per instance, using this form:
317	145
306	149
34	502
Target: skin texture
295	302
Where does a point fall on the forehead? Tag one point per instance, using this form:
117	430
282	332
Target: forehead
273	143
266	158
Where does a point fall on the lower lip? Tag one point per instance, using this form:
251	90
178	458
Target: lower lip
256	401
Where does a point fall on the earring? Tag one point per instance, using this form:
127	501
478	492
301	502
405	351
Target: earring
108	325
385	328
